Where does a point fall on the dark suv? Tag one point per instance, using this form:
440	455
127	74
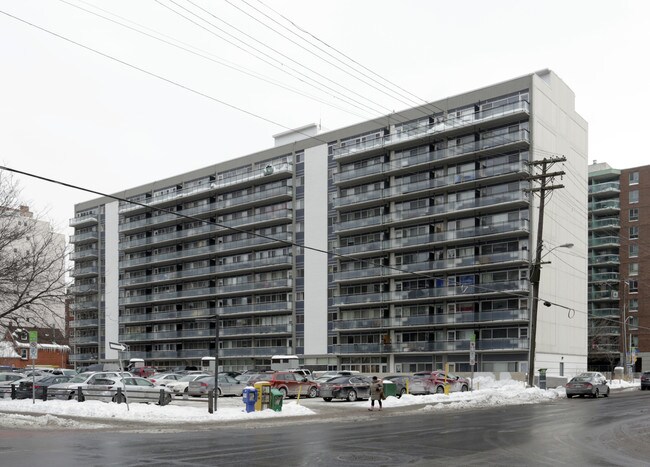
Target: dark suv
645	380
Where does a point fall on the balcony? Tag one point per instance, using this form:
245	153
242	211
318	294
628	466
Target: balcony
87	271
83	289
89	253
169	276
271	217
605	313
607	187
85	306
604	260
279	239
84	237
258	308
254	352
429	293
167	335
431	320
83	357
169	315
432	346
267	196
605	331
84	340
610	206
600	242
605	277
84	323
171	237
83	221
279	171
437	128
256	330
430	266
602	295
606	224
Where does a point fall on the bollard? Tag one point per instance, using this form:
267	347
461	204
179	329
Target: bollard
45	393
210	401
161	398
80	394
118	396
13	391
299	390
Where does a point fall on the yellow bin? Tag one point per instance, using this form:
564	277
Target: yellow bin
263	395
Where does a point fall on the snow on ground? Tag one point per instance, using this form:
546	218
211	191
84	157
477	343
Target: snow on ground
487	392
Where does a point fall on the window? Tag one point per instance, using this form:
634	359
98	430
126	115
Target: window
634	178
634	232
634	250
634	304
634	196
634	269
633	285
634	214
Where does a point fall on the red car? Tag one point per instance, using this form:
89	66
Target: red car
289	383
435	381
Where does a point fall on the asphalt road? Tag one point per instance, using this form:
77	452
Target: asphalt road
576	432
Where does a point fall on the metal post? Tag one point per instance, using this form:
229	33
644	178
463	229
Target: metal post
216	357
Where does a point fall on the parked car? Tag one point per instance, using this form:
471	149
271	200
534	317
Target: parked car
408	383
435	381
323	376
350	388
143	371
290	384
246	378
645	380
7	378
24	389
162	379
181	386
133	389
69	390
587	384
228	386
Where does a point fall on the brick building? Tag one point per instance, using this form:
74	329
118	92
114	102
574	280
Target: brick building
53	349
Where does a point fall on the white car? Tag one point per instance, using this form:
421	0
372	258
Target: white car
69	390
163	379
181	386
132	390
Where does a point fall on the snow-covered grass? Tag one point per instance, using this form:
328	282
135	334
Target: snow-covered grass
487	392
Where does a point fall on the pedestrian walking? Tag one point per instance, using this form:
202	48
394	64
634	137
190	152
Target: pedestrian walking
376	393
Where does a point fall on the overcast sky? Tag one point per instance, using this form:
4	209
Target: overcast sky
73	115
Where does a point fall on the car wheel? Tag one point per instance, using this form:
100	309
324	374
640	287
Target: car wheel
607	393
352	395
401	393
464	388
219	392
313	392
72	395
440	390
327	399
285	393
119	398
187	390
596	393
167	399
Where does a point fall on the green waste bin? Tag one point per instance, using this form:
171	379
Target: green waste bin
390	388
276	400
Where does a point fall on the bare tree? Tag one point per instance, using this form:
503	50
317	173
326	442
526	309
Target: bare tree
32	263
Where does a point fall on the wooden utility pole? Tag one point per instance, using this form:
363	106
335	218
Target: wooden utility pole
545	180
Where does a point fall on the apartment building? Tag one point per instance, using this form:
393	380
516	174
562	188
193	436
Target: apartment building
402	243
619	215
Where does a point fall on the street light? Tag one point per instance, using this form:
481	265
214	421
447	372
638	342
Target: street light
536	270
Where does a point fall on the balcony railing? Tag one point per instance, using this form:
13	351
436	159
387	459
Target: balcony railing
255	352
87	271
604	259
169	315
84	323
283	168
427	346
256	330
613	223
84	254
450	123
271	307
83	289
84	237
429	320
604	241
604	312
613	187
605	277
608	205
84	340
81	221
81	306
428	293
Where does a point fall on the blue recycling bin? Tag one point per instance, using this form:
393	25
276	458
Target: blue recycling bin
249	397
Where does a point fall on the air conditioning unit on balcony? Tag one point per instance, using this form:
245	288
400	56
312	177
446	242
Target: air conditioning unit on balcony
614	293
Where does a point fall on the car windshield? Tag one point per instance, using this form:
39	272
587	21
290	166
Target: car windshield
79	379
581	378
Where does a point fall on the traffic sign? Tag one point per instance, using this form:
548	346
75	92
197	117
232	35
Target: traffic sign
33	350
33	336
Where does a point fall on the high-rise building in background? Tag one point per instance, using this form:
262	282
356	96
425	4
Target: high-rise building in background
619	222
397	244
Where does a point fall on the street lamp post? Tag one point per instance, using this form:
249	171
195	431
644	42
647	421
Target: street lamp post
534	279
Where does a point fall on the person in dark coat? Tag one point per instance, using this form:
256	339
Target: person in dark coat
376	391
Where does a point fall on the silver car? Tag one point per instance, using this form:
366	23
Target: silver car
132	389
82	380
587	384
228	386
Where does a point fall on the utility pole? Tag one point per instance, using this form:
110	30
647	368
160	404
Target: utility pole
545	180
